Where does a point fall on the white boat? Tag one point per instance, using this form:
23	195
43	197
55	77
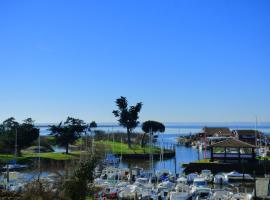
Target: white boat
180	196
182	192
202	194
207	175
221	195
221	179
241	196
145	182
14	167
164	189
191	177
182	180
129	192
166	184
199	182
235	176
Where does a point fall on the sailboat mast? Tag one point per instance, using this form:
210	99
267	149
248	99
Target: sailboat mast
39	153
16	143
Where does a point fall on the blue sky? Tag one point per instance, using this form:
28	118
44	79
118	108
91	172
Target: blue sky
187	61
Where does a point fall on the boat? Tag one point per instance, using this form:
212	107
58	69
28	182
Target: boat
129	192
182	180
241	196
14	167
221	195
191	177
111	159
164	189
144	183
163	175
198	183
235	176
207	175
202	193
221	179
182	192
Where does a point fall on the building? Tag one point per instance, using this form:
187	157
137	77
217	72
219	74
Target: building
210	135
249	136
217	132
231	150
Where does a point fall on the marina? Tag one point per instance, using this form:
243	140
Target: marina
119	178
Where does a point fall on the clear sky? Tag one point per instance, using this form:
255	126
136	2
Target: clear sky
186	60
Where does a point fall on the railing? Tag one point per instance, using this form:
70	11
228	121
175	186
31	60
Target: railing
166	145
231	155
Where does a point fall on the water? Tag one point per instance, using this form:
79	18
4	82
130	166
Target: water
174	130
180	128
183	155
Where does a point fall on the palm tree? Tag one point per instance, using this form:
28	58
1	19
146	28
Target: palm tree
151	127
127	116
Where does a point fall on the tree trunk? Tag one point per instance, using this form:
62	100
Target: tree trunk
142	141
66	148
128	137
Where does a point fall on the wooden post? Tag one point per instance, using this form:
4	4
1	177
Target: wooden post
253	154
212	154
239	155
255	189
225	154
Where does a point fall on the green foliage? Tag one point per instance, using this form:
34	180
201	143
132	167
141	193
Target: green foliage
25	157
93	124
79	185
69	132
151	127
118	148
11	132
127	116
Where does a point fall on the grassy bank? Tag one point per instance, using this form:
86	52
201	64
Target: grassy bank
118	148
100	146
25	157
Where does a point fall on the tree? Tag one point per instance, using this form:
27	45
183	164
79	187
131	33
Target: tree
93	124
69	132
80	184
10	124
18	135
127	116
151	127
26	134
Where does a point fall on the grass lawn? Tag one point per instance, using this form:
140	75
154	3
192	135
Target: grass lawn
203	161
53	156
263	158
27	156
118	147
104	145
